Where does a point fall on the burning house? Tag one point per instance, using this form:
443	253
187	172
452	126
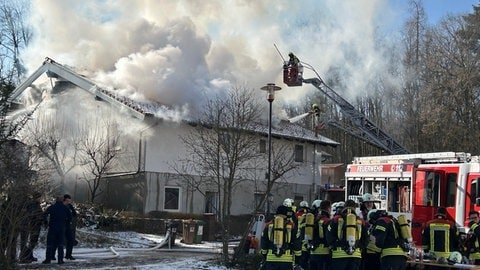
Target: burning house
146	178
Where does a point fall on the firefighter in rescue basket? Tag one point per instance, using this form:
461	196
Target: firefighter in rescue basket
280	245
292	71
347	237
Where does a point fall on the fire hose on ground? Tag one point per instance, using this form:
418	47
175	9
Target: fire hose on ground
107	253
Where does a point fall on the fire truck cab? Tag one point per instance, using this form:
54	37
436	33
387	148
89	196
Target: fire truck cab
417	185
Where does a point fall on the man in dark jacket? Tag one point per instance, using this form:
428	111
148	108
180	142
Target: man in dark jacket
59	216
70	227
31	226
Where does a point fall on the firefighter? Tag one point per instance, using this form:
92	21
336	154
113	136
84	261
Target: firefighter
347	237
279	244
302	210
315	207
391	240
473	242
306	224
320	252
366	205
293	69
337	208
290	210
440	236
372	252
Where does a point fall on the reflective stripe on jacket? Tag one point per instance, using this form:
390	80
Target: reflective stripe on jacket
387	237
440	236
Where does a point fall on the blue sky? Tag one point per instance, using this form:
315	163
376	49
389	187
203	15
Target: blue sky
436	9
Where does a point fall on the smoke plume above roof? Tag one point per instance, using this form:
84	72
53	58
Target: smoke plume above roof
179	53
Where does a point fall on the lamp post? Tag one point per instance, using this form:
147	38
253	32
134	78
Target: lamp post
270	88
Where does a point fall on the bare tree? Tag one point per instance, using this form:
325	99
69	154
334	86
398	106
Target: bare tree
52	140
223	152
98	150
14	35
222	147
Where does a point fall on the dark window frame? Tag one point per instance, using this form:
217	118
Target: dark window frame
168	200
298	153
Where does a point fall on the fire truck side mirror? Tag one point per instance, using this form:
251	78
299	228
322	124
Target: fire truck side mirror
477	201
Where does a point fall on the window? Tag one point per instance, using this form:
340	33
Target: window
451	189
225	141
263	146
172	199
473	191
259	197
429	192
298	153
297	199
211	202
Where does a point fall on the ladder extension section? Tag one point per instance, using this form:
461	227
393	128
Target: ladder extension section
49	66
368	131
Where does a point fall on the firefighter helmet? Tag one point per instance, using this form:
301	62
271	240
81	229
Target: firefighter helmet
316	203
304	204
338	205
288	202
367	197
455	257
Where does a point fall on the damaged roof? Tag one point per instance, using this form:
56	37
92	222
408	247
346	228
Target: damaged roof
141	110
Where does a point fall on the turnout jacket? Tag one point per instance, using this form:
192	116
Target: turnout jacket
290	248
336	237
388	237
440	236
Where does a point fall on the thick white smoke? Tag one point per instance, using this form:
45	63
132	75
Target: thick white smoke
179	53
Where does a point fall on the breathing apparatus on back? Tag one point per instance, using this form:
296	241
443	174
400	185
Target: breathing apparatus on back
309	228
281	231
351	232
406	233
278	234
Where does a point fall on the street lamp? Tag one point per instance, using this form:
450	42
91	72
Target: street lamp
270	88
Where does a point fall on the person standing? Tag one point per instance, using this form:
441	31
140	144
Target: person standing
346	248
473	243
320	253
31	226
58	217
280	245
440	236
388	238
70	228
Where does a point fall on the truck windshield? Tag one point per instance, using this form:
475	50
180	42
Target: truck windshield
428	188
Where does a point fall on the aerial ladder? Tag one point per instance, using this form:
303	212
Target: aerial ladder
361	128
56	70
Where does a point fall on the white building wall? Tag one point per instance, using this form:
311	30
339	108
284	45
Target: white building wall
163	149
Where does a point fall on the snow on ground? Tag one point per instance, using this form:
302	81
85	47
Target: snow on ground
133	251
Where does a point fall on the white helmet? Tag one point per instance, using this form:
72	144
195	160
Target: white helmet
455	257
367	197
338	205
288	202
303	204
316	203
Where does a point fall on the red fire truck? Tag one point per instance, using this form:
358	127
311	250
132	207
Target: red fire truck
418	184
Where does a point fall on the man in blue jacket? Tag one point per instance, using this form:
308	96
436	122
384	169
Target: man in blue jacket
58	217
